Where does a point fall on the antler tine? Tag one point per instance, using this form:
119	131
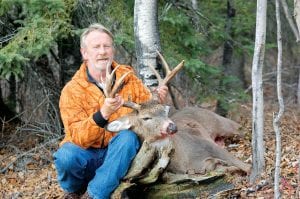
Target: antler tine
108	90
130	104
156	74
169	74
164	62
173	73
108	80
118	84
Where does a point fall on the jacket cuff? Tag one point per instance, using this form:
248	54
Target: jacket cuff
99	119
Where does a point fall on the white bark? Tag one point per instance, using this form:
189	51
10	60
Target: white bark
297	19
194	4
290	19
297	13
146	39
276	119
258	146
298	91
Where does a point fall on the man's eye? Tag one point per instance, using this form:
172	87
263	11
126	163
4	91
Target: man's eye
146	118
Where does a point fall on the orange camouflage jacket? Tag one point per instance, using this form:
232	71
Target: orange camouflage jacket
80	99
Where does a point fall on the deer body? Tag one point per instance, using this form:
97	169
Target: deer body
196	143
195	149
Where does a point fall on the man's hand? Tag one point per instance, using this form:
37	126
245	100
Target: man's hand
111	105
162	92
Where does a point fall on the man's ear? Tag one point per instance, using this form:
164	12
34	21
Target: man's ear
118	125
83	53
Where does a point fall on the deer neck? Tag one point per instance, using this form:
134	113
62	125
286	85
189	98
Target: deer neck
161	142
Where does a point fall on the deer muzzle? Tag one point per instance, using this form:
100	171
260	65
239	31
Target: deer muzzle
172	128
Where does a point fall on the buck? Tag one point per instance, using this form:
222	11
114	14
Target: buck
189	141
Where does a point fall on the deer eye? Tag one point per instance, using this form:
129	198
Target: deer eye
146	118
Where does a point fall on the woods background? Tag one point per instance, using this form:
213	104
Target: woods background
39	41
40	50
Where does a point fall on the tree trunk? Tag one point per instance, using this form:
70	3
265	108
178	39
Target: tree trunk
228	45
298	91
147	39
297	18
195	17
258	147
276	120
227	52
38	92
297	13
5	112
290	19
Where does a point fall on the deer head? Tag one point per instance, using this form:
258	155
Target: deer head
149	120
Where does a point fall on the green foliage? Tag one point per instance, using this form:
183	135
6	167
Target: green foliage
183	39
121	14
185	34
229	93
41	22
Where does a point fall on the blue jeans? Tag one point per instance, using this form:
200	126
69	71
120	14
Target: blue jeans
97	170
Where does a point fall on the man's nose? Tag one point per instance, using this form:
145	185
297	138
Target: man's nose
101	50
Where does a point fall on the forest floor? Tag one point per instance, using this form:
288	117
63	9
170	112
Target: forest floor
27	170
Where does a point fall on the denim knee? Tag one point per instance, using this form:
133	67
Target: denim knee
121	150
70	166
68	158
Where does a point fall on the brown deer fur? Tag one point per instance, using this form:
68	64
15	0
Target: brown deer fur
194	144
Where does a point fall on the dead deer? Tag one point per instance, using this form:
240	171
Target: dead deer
192	132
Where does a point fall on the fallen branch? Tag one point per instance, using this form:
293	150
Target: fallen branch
30	151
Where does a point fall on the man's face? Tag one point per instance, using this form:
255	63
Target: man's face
98	50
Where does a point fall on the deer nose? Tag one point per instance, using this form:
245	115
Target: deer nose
172	128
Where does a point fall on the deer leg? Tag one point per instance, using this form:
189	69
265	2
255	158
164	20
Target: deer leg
222	154
142	160
161	164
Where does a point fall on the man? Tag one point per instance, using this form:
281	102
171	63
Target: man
90	158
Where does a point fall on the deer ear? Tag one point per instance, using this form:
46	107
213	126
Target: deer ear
118	125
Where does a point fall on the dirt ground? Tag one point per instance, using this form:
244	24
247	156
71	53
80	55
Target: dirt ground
27	170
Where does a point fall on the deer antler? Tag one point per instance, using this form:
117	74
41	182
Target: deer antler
111	92
169	74
130	104
108	90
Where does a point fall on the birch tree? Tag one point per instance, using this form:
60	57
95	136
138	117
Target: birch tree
297	19
146	39
276	120
289	18
258	146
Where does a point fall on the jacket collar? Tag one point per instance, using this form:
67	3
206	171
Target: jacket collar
82	76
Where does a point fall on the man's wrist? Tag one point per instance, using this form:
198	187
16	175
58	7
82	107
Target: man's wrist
99	119
104	115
